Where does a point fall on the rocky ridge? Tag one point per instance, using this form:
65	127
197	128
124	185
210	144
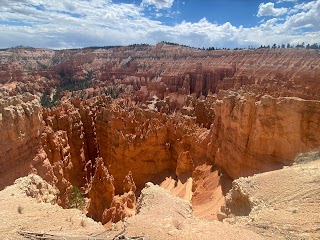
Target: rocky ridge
250	136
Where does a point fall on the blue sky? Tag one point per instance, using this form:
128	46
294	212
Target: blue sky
238	12
198	23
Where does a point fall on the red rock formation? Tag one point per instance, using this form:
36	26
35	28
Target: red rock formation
156	129
67	118
209	187
250	136
153	145
100	191
20	126
88	119
149	144
133	140
53	162
164	69
124	205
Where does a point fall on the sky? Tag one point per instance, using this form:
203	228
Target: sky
197	23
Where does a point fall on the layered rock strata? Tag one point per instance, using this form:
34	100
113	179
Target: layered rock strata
164	70
20	126
250	136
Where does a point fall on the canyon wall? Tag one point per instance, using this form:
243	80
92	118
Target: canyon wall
163	69
128	145
20	126
134	146
149	144
250	136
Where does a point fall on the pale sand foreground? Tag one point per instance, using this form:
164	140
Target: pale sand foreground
285	203
21	213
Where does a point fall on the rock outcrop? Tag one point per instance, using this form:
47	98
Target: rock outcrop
34	186
53	162
67	119
20	126
163	216
247	136
209	187
250	136
101	192
133	140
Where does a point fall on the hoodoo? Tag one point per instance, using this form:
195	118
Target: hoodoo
221	132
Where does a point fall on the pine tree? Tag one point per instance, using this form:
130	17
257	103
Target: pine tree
76	200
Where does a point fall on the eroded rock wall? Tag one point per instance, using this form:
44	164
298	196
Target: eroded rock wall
85	142
67	119
250	136
172	118
20	126
134	145
247	136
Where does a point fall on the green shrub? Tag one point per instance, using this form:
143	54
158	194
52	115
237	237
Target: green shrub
215	168
76	199
46	101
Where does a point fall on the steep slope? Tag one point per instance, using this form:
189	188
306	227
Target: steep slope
20	126
141	144
250	136
162	216
280	204
165	114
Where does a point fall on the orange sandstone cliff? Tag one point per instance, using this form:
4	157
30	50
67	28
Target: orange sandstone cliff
20	126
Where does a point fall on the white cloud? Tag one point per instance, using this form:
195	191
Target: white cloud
309	17
68	24
160	4
268	9
281	1
307	5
